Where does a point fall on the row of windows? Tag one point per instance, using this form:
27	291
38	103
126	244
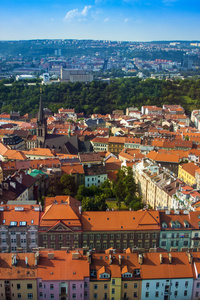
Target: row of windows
177	235
176	284
73	286
135	295
118	235
113	283
174	243
60	236
175	294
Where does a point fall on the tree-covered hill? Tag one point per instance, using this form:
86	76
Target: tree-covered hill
100	97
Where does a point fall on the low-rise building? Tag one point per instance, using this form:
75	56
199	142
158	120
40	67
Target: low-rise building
19	226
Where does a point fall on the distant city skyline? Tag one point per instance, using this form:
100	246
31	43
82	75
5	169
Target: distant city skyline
121	20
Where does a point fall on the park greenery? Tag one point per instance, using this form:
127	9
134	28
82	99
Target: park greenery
100	97
122	190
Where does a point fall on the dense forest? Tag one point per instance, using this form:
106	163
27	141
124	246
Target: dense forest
100	97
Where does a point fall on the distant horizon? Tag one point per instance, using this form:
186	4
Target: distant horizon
82	39
116	20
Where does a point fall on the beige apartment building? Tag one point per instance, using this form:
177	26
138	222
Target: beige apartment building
154	184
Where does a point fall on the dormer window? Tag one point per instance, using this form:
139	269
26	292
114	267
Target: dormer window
164	225
104	275
4	221
173	224
178	225
186	224
127	275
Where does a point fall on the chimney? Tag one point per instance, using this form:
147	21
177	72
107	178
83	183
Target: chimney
140	259
75	255
14	259
50	255
110	259
170	258
161	258
120	260
80	209
190	257
26	261
89	257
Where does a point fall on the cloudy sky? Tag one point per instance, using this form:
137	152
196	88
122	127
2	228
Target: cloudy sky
125	20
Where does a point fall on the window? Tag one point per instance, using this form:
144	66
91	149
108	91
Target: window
104	236
85	285
197	294
113	291
125	285
163	243
164	225
105	296
185	243
30	296
135	295
105	286
98	236
52	296
147	295
186	284
176	284
29	286
118	236
135	285
164	236
157	285
19	296
95	286
185	293
140	235
198	284
74	296
13	223
95	295
51	286
22	223
156	294
175	293
91	236
113	281
41	294
147	235
18	286
147	285
131	235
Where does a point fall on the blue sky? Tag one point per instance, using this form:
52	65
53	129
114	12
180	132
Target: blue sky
125	20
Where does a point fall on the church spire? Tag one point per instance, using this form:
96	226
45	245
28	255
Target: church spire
40	113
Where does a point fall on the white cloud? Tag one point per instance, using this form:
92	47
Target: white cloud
86	10
106	20
71	14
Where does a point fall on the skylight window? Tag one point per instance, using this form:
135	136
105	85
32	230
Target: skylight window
13	223
22	223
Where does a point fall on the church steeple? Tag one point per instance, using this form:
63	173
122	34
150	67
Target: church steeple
41	112
41	129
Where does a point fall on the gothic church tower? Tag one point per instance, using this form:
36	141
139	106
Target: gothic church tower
41	129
